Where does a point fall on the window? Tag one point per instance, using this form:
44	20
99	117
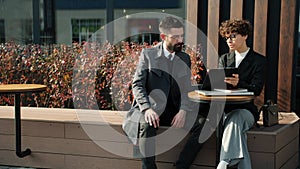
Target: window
139	30
26	30
83	29
298	73
2	31
47	21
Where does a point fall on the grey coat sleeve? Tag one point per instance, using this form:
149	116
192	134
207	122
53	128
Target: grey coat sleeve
139	83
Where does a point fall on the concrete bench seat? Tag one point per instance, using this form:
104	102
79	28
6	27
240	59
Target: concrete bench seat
58	140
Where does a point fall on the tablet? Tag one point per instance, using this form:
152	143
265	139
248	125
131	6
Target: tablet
226	72
230	70
215	78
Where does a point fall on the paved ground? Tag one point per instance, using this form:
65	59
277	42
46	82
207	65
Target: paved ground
9	167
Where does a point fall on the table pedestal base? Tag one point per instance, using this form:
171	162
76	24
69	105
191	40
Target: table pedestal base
19	153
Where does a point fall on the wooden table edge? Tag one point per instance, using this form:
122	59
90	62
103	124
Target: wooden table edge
21	88
237	98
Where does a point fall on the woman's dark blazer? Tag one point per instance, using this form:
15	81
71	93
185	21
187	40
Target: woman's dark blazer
251	76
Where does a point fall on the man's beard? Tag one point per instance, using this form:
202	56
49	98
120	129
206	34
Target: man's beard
177	47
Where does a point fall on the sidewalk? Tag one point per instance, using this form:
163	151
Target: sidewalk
9	167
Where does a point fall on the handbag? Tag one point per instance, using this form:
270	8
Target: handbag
270	113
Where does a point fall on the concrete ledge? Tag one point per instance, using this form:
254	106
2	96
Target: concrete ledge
58	139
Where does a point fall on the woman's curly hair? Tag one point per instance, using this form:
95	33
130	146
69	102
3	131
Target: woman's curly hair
242	27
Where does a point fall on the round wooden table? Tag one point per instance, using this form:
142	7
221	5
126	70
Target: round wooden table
16	90
230	99
221	99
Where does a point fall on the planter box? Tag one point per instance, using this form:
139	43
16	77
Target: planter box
58	139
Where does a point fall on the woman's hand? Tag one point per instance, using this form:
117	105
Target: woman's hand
234	80
179	119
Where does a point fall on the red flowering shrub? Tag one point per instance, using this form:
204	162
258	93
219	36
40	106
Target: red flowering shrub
99	74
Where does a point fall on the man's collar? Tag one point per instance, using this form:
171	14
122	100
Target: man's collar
166	52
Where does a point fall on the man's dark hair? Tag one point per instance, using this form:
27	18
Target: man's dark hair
169	22
242	27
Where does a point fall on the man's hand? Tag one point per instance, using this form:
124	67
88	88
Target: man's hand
152	118
179	119
234	80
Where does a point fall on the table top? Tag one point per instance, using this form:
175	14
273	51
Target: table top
228	98
21	88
